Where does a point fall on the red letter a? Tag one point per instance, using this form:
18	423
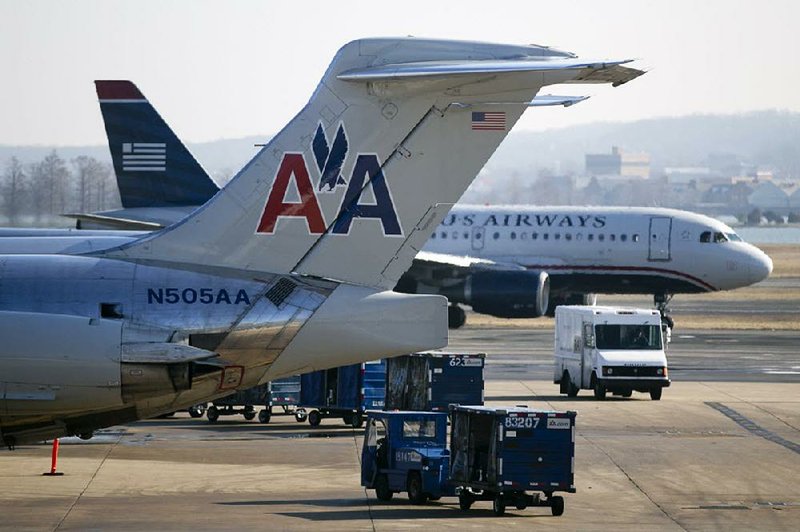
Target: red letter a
292	164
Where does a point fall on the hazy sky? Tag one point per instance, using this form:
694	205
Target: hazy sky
225	69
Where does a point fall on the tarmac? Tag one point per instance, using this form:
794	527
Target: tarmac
720	451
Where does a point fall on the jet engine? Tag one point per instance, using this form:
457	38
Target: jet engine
506	294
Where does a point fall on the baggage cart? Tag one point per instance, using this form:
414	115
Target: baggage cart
501	454
434	381
242	402
346	392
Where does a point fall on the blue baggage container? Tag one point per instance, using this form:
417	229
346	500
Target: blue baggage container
346	392
434	381
500	454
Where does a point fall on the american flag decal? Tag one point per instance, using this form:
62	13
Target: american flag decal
144	156
489	121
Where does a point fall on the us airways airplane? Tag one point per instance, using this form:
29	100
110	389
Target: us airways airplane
523	261
514	261
290	267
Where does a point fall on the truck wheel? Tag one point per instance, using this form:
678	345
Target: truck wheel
414	488
464	500
249	415
347	419
599	391
197	410
557	505
499	505
655	394
572	390
356	421
264	416
626	393
314	418
212	414
382	491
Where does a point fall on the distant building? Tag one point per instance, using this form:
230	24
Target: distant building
618	163
768	196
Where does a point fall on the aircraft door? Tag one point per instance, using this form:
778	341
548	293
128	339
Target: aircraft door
659	237
478	236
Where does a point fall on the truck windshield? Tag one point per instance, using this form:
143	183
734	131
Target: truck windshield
425	428
628	336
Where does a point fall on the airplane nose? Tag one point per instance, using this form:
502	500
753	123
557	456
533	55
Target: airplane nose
760	266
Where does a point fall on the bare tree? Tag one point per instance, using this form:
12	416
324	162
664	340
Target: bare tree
50	178
13	190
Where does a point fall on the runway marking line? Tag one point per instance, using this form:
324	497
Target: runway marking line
752	427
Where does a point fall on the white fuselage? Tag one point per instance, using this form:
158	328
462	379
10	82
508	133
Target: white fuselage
606	249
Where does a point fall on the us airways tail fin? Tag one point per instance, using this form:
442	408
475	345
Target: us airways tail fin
353	186
153	167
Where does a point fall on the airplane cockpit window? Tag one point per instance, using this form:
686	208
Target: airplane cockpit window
720	237
733	237
705	236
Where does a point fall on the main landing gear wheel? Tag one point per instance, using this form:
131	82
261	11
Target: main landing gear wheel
197	410
456	317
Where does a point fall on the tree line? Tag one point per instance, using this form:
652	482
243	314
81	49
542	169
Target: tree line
38	193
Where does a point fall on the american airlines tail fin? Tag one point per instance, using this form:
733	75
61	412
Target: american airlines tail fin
353	186
153	167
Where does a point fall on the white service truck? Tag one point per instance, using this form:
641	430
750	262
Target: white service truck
609	349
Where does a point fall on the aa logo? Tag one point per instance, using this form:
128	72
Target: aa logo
330	159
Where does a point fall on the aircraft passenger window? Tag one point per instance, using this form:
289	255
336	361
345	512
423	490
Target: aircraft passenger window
513	235
612	237
579	236
523	236
545	236
635	238
733	237
496	235
534	236
444	235
590	237
601	237
705	236
433	235
720	237
623	237
557	236
466	235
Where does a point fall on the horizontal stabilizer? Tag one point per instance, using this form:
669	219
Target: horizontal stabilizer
89	220
590	71
547	100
